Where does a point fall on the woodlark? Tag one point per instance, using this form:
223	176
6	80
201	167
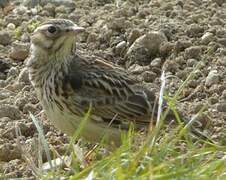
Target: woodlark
68	84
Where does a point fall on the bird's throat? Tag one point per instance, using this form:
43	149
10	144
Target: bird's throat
42	57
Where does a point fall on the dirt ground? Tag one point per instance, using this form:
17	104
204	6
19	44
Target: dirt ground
144	37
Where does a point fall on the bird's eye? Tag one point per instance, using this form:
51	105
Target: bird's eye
52	29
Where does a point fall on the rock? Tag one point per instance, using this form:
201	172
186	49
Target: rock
213	100
33	98
15	19
25	38
191	83
19	51
4	66
3	49
166	49
180	3
11	26
10	111
171	66
156	62
221	107
181	45
137	69
67	3
34	11
223	53
212	78
197	18
13	72
20	10
120	48
149	76
168	30
221	33
92	37
9	152
15	87
198	106
10	132
25	129
2	75
134	34
191	62
23	76
224	94
2	83
5	38
222	41
117	24
61	9
145	47
5	120
207	38
26	88
100	24
195	30
219	2
29	108
50	9
21	102
33	3
106	35
59	162
4	93
193	52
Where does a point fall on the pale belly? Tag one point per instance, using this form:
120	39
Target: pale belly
92	131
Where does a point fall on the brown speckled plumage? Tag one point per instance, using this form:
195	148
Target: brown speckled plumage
67	84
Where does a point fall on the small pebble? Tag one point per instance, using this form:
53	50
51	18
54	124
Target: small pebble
23	76
120	47
11	26
207	38
156	62
149	76
9	152
193	52
5	38
212	78
19	51
221	107
11	111
134	34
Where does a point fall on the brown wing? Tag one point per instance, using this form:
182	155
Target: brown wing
110	90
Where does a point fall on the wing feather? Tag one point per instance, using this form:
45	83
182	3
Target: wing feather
110	90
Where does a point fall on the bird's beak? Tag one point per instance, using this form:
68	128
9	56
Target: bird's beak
76	29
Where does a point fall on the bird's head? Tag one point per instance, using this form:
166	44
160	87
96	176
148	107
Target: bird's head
56	36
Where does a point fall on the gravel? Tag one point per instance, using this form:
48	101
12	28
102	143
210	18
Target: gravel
145	37
5	38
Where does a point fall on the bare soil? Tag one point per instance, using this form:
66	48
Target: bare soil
145	37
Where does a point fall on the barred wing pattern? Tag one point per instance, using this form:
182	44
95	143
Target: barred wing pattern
111	92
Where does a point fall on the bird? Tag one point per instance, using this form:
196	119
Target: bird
69	83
